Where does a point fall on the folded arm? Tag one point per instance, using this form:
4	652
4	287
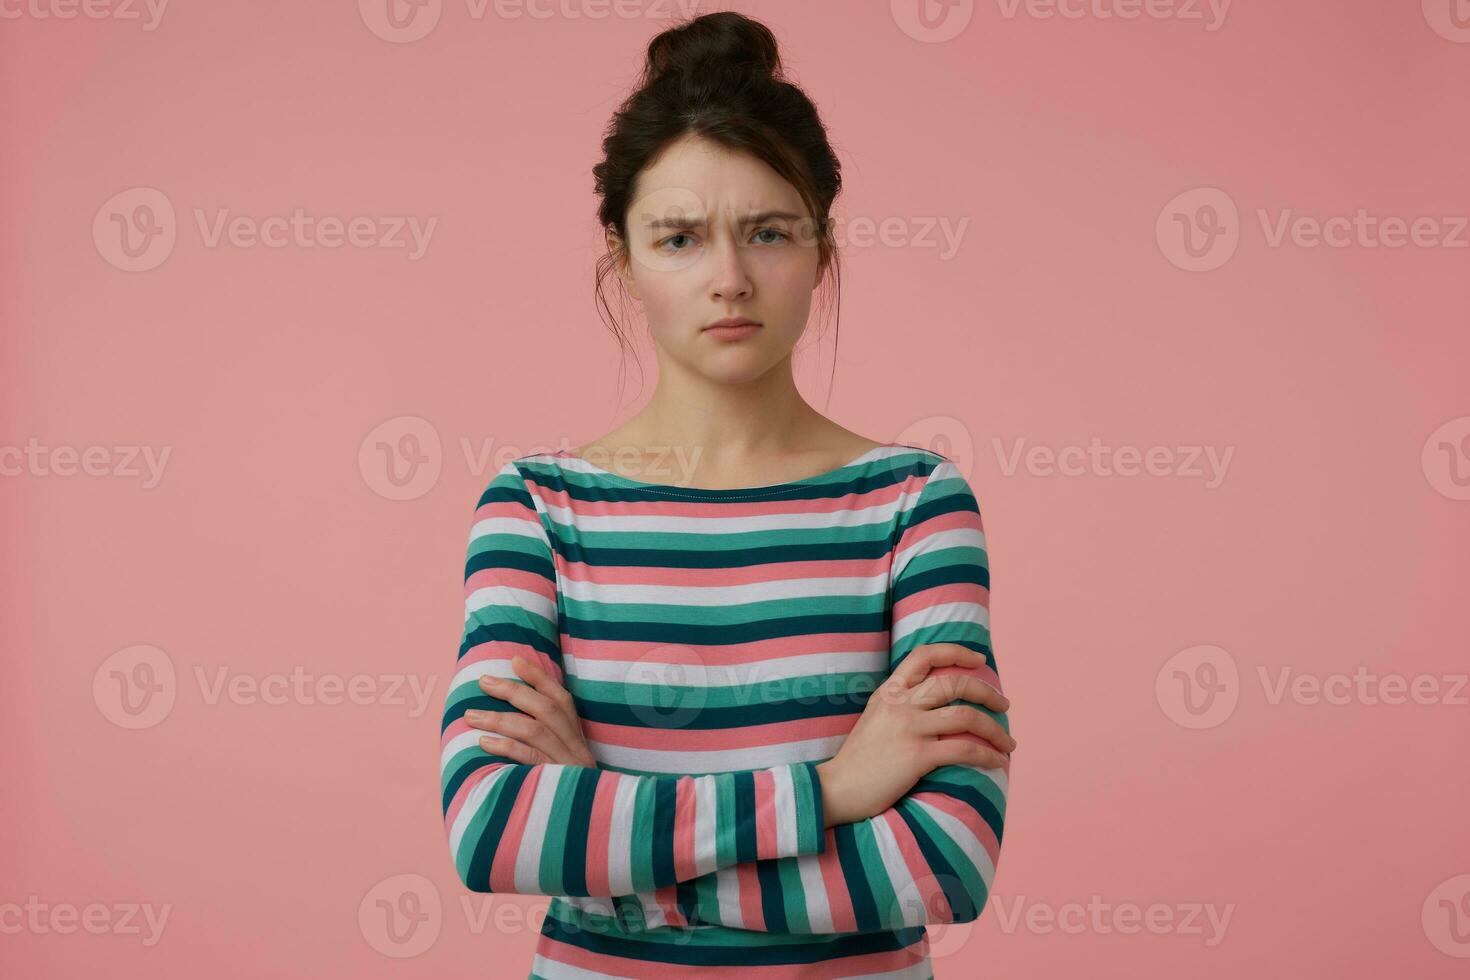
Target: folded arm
929	858
573	830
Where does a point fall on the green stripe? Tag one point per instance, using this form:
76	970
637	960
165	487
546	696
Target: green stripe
552	880
642	842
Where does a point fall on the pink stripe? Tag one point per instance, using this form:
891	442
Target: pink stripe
952	521
667	898
766	815
514	578
715	739
599	845
748	890
512	509
727	655
575	571
503	868
685	806
918	868
965	815
887	961
839	900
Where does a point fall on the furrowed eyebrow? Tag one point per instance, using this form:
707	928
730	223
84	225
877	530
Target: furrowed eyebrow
686	223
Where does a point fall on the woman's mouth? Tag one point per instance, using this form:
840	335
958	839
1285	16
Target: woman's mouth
732	328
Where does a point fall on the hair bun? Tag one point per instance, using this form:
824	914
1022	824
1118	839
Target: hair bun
722	42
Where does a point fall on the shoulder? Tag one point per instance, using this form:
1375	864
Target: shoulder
518	480
924	465
935	481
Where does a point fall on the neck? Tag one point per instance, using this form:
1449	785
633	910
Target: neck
722	420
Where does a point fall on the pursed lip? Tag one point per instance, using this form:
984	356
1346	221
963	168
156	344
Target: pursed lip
734	321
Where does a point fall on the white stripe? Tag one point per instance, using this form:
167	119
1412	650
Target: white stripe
750	673
675	762
471	673
945	469
786	818
818	910
528	858
727	894
551	969
526	527
942	612
517	602
998	776
882	512
922	970
706	813
957	831
599	904
654	914
457	744
856	586
620	836
891	854
956	537
473	801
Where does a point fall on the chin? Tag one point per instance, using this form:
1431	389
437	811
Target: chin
736	366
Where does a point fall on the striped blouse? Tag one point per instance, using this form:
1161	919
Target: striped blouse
717	645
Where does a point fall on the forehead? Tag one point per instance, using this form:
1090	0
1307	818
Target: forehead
701	173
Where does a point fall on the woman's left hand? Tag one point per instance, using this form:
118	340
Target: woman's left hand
547	728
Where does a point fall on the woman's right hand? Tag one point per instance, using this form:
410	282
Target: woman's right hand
909	728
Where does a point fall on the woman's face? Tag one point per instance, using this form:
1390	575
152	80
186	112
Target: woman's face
714	233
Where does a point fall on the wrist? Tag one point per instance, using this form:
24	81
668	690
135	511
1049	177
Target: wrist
829	776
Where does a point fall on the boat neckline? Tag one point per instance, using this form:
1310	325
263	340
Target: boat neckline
722	492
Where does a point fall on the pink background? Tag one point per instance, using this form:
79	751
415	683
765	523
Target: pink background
1332	833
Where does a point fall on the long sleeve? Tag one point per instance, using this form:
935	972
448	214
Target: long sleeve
574	830
931	857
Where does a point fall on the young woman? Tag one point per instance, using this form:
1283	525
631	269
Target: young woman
749	717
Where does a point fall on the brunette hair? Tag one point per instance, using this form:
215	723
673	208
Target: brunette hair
718	76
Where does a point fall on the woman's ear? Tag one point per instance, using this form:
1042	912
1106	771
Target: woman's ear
622	262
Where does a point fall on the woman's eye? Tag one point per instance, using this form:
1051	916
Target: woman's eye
664	243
